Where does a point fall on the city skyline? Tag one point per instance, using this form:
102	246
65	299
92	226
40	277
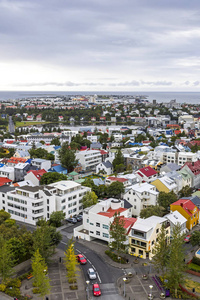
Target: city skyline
96	45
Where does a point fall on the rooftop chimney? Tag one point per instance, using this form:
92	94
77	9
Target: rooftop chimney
192	163
181	204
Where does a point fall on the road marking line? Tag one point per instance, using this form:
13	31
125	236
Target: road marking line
98	277
89	261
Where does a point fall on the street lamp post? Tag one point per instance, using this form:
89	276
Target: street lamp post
87	282
151	295
124	286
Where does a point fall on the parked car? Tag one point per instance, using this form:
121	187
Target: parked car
72	220
81	259
96	290
92	273
79	218
187	238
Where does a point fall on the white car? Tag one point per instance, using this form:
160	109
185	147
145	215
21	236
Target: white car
92	274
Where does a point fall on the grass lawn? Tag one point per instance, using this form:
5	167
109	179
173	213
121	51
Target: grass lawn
194	267
29	123
190	284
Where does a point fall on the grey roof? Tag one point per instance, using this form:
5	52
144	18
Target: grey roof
173	166
195	200
32	189
107	164
96	145
6	188
40	160
127	204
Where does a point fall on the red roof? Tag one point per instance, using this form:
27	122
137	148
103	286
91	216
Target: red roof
4	180
38	173
194	167
117	179
110	212
177	131
16	160
187	205
103	152
147	171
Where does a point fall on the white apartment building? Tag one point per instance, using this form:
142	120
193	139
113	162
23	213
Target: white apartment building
141	195
89	159
29	204
69	196
97	219
92	138
184	157
179	158
175	218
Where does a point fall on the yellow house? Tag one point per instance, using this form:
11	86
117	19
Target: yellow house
188	210
165	184
144	234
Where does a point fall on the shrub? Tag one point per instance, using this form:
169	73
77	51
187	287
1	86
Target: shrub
14	283
73	287
2	287
114	257
70	280
13	292
35	291
194	267
196	260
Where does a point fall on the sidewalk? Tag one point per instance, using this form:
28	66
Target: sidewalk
59	285
5	297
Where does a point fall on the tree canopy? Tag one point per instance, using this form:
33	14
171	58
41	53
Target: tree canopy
152	211
67	157
56	218
117	234
118	162
41	153
89	199
165	199
51	177
115	189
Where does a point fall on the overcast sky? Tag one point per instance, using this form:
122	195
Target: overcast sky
100	45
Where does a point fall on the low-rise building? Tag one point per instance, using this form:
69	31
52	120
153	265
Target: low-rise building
97	219
144	234
89	159
175	218
146	174
41	163
140	196
188	210
165	184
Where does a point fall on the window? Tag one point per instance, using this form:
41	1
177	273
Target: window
134	200
167	231
87	220
157	230
3	202
105	226
48	216
97	224
47	201
132	250
91	231
141	252
97	232
135	206
152	243
47	208
3	195
91	223
63	201
74	197
105	235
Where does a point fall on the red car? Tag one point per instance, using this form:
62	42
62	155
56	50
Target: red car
81	259
96	290
187	238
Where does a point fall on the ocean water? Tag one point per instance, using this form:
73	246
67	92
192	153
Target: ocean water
181	97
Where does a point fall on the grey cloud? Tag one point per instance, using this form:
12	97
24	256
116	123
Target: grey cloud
196	83
186	83
157	83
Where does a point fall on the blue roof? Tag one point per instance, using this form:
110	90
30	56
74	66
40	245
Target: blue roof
1	165
57	147
29	160
58	169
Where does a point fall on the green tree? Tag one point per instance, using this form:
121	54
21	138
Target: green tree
186	191
71	263
165	199
45	238
6	260
17	248
67	157
40	279
55	142
51	177
56	218
4	216
118	162
161	251
152	211
176	266
118	234
115	189
89	199
41	153
195	238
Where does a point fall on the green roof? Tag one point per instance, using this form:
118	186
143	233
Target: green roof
197	193
80	180
73	173
185	174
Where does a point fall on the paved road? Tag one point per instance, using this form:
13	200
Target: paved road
11	126
106	275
